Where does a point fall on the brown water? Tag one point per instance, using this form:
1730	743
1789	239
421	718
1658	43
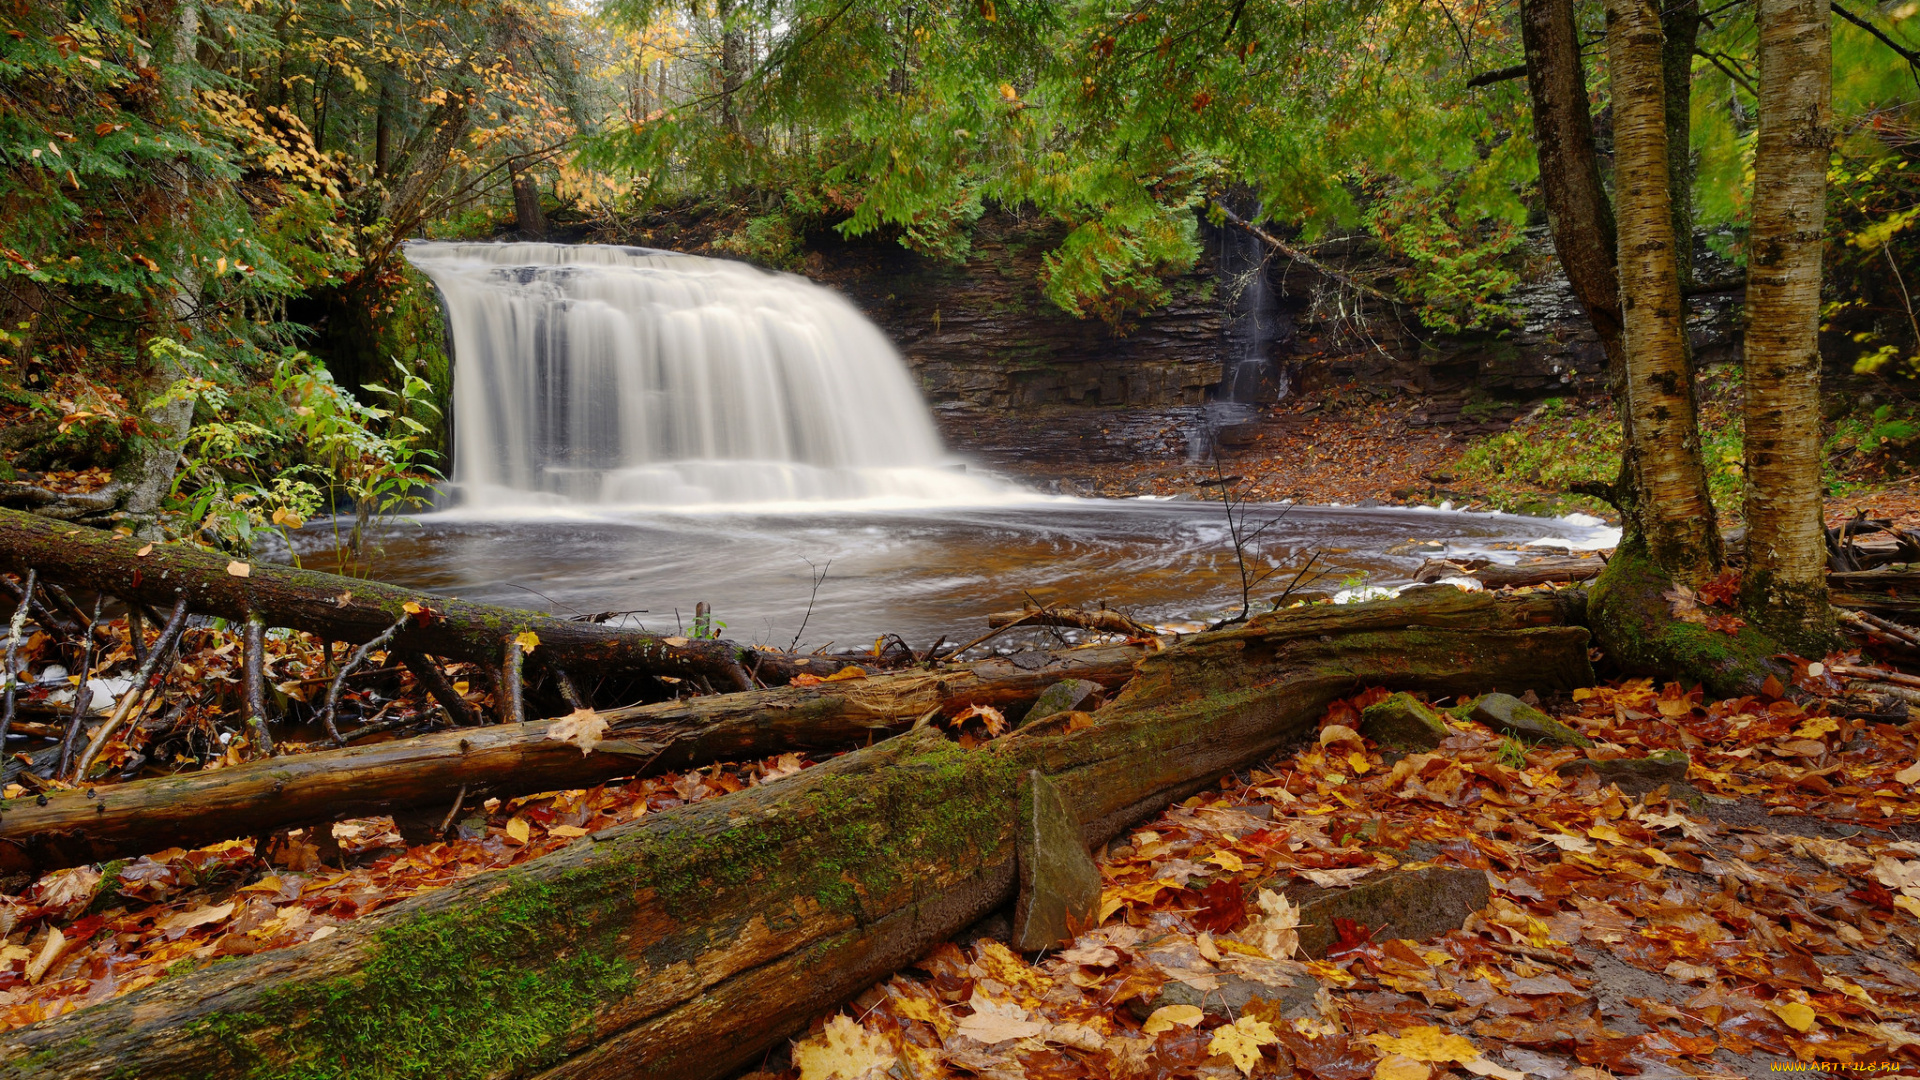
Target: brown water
919	573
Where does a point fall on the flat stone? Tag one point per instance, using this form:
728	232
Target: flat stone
1059	884
1403	722
1231	998
1063	696
1508	714
1412	904
1634	776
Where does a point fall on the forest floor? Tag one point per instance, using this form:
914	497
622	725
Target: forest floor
1761	914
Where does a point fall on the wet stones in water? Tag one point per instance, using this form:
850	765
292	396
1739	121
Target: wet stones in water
1064	696
1511	716
1634	776
1403	722
1059	884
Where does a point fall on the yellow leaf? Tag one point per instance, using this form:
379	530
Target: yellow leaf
1167	1017
527	640
1242	1041
1909	775
568	831
1583	693
1427	1043
1817	726
239	569
1607	833
460	686
1796	1015
1400	1067
1661	857
518	829
49	952
1227	860
843	1051
148	550
1358	762
411	608
675	642
1336	733
283	516
847	673
581	727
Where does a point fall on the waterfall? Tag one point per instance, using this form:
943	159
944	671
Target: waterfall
619	376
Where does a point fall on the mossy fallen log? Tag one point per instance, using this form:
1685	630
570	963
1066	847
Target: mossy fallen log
686	943
67	828
356	610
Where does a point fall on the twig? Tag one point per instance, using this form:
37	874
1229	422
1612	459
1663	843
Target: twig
339	681
14	629
1302	257
1906	54
513	708
571	693
794	645
1853	671
429	675
990	635
1488	78
82	697
447	822
255	644
138	693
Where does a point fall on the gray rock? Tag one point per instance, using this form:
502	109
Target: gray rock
1509	715
1059	884
1404	723
1231	999
1064	696
1413	904
1634	776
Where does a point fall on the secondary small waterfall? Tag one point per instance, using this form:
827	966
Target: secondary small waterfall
621	376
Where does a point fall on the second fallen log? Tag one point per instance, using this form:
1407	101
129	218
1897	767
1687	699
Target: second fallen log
67	828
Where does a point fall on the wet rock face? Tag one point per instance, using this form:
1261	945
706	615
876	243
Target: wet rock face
1063	696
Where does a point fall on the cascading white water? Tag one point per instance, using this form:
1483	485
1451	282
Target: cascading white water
620	376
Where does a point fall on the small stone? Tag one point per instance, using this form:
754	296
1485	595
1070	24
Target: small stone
1634	776
1231	999
1064	696
1509	715
1059	884
1412	904
1404	723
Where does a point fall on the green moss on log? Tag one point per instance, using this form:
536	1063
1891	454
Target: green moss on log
1633	622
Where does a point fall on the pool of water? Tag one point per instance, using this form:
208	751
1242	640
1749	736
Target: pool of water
922	573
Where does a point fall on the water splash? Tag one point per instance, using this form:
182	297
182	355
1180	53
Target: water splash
595	376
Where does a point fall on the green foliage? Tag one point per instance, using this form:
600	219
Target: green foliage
274	457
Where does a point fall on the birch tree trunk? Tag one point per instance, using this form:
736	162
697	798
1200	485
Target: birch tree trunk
1669	511
1784	590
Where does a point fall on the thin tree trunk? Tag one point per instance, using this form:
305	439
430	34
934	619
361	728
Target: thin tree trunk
1669	505
1784	589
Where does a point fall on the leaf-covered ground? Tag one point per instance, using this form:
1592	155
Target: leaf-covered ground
1765	913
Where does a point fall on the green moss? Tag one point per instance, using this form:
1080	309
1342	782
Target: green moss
1632	620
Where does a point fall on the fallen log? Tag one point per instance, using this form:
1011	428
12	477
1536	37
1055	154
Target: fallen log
355	610
684	944
1103	620
68	828
1495	576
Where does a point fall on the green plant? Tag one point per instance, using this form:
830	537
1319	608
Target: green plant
1512	753
273	460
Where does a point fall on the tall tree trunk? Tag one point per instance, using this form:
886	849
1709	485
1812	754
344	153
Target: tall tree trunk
1577	208
1680	22
1785	587
732	65
1668	509
148	474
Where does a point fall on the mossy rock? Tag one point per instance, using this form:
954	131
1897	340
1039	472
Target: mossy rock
1063	696
1404	722
1231	998
1412	904
1511	716
1059	884
1634	776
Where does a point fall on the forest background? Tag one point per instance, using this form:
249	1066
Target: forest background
201	204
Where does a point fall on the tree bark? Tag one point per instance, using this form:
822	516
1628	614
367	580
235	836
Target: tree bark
131	819
684	944
1680	30
351	609
1669	507
1784	587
